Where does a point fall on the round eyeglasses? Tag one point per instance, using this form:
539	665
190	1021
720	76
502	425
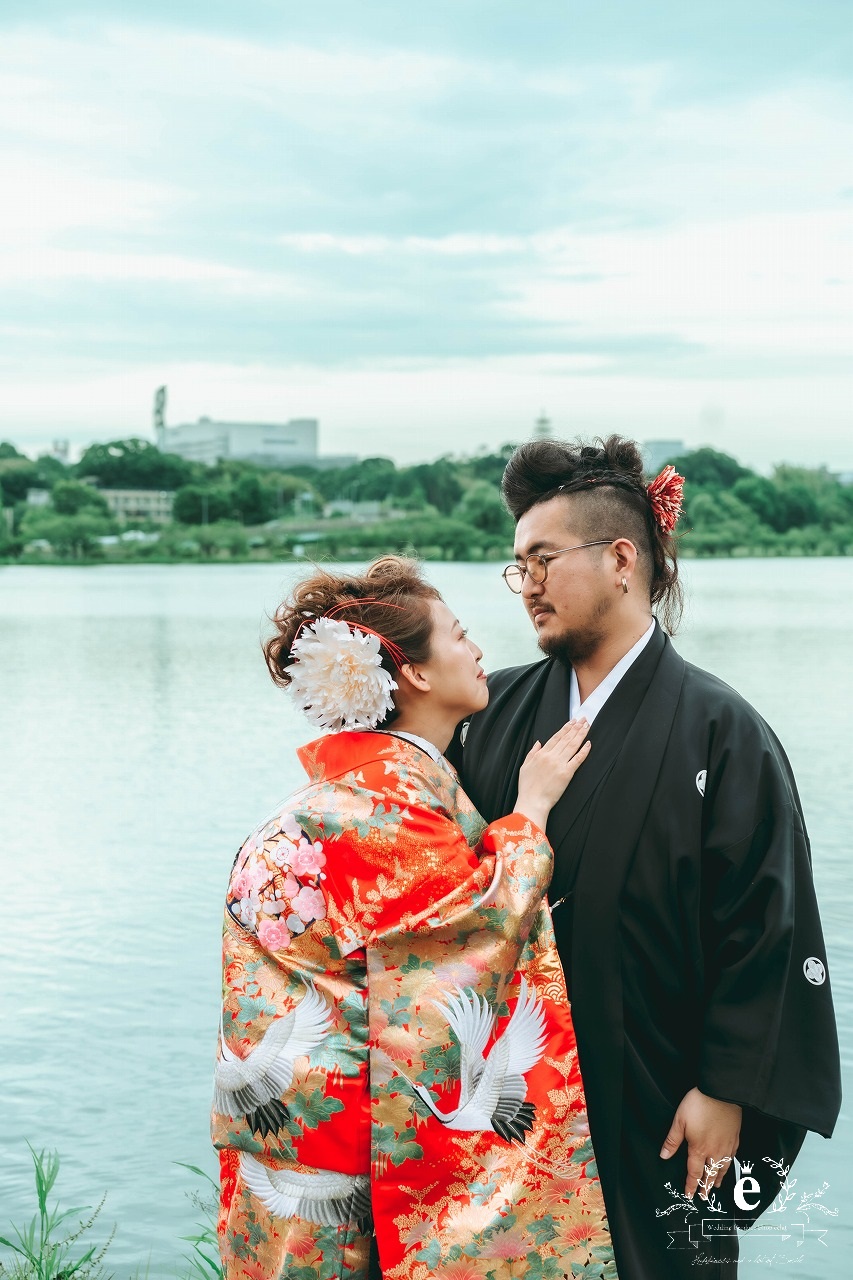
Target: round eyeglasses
537	565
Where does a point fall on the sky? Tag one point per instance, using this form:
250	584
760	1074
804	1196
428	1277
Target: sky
426	227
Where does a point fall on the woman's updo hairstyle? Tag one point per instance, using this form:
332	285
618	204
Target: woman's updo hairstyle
390	598
609	499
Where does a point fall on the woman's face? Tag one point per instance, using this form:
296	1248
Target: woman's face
455	676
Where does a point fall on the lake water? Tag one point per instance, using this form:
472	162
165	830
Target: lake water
142	739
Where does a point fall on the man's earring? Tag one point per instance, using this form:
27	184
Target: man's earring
625	586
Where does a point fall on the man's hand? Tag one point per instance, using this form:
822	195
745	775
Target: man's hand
712	1131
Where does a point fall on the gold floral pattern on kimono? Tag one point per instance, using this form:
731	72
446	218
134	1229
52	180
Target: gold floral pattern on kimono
397	1053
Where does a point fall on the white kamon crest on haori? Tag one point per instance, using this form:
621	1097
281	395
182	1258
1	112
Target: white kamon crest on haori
329	1198
493	1088
253	1086
337	677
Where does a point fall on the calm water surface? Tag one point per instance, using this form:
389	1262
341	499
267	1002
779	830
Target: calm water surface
141	741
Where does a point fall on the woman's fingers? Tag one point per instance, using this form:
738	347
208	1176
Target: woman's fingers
577	760
568	739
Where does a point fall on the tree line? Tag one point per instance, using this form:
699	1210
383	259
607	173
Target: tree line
446	509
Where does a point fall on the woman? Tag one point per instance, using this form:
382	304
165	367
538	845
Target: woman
396	1053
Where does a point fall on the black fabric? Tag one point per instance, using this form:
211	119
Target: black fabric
374	1271
680	941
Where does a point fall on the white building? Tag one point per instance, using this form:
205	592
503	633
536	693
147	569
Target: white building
140	504
267	443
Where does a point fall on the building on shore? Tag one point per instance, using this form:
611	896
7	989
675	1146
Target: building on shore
267	444
139	504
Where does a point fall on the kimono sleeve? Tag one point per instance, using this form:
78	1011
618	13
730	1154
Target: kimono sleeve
425	872
769	1039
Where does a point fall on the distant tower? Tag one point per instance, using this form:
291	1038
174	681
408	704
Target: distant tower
160	418
542	427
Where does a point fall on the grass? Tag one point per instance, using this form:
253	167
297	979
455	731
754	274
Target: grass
52	1246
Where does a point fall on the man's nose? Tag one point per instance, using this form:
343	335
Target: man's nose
531	589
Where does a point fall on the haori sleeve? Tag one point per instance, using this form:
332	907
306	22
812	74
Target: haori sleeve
768	1039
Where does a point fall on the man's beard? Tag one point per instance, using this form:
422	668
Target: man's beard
579	644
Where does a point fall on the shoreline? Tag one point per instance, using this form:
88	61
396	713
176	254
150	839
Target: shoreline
95	562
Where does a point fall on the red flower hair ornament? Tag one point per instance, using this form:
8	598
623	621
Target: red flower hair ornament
666	494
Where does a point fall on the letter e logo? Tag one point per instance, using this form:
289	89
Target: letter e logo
744	1187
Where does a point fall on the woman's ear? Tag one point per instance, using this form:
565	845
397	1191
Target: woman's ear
414	677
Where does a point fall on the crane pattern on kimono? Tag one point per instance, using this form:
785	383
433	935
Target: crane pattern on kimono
493	1088
253	1086
324	1196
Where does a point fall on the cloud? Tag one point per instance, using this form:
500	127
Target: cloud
186	197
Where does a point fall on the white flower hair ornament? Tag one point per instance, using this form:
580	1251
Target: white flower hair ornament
337	677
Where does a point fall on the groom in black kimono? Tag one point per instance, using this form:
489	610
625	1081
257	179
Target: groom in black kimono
682	895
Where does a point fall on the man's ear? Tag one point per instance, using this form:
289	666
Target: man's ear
626	555
415	677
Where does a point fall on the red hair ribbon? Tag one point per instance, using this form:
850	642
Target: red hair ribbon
667	498
394	651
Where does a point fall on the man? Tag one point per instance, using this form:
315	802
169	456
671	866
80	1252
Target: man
682	895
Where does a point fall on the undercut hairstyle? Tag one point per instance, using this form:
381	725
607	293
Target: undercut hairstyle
391	597
608	499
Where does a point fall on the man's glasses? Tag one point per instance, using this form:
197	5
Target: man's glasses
537	566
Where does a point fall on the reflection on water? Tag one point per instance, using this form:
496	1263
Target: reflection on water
142	739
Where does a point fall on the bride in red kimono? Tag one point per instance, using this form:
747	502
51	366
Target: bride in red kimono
396	1057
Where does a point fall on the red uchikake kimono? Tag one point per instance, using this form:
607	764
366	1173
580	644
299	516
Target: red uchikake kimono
397	1053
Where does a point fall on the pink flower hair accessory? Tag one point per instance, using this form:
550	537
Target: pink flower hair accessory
666	495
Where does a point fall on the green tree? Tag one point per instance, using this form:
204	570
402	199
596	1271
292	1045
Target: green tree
201	504
50	470
283	489
482	507
229	536
70	497
73	537
710	469
134	464
762	497
713	510
439	482
799	507
252	501
371	480
9	544
489	466
17	476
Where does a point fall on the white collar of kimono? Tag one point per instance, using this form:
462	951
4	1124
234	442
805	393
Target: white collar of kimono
602	692
429	747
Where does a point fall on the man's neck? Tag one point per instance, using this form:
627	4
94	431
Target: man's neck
591	671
